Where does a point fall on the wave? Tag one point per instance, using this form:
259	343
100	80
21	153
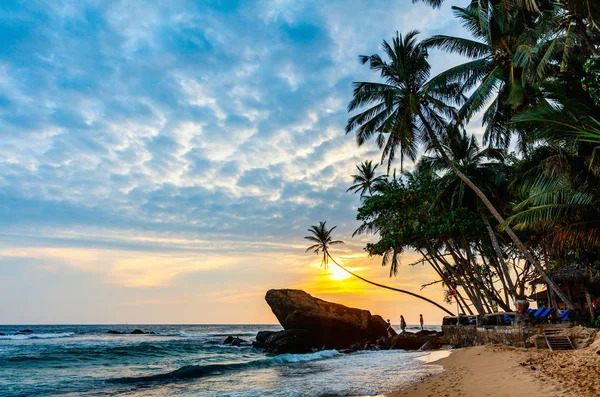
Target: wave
37	336
300	358
99	350
198	371
209	335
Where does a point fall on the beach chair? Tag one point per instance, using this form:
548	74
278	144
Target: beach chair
546	313
508	319
539	311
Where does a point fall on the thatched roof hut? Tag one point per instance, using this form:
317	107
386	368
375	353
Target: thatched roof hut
580	283
575	274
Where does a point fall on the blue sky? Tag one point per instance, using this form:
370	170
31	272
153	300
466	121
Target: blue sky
161	161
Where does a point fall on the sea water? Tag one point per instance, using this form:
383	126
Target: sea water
187	360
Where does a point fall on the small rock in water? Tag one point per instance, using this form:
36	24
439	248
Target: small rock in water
228	340
113	332
234	341
138	332
25	331
2	334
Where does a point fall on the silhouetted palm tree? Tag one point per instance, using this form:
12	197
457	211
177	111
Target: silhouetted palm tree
322	239
366	179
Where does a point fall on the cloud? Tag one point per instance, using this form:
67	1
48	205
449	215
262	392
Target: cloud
175	134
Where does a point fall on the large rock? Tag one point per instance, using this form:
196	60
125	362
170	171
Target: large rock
426	333
290	341
327	324
261	339
407	341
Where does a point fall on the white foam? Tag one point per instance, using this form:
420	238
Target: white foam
300	358
36	336
186	335
434	356
369	373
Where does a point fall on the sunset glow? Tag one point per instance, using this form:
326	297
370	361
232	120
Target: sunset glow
338	274
162	163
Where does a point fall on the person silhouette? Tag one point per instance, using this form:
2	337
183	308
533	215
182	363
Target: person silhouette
402	324
421	321
389	327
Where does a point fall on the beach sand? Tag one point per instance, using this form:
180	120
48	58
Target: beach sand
495	370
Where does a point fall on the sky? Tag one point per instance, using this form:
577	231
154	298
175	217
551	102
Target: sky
160	162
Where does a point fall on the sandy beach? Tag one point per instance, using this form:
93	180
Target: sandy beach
504	371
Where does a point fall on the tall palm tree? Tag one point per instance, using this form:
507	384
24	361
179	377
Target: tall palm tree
498	76
585	9
407	102
366	178
322	239
486	169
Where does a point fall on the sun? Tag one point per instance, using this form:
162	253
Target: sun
337	274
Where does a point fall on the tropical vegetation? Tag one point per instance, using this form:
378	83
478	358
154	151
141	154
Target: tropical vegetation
498	212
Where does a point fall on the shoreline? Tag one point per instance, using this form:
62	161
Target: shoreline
490	370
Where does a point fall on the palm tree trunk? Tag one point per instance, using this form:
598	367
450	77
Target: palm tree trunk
474	294
490	296
454	283
588	298
500	276
496	215
391	288
499	255
461	301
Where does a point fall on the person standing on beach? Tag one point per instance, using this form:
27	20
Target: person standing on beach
402	324
388	328
421	321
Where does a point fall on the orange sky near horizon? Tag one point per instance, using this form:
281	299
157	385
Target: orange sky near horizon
163	287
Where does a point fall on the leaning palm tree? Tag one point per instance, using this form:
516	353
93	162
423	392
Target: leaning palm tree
405	101
486	169
322	239
366	179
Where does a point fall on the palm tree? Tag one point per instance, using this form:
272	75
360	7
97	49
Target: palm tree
560	181
406	102
588	10
322	239
366	178
485	168
499	74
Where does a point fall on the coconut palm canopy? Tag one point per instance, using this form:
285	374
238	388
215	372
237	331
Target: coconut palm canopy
488	213
323	240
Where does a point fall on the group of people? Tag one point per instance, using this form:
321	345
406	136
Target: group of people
403	324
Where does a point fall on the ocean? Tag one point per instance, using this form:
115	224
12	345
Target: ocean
187	360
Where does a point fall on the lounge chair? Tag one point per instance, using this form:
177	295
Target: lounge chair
546	313
508	318
539	311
